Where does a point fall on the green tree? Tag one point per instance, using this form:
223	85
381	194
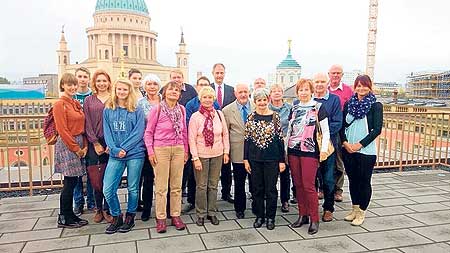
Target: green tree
3	80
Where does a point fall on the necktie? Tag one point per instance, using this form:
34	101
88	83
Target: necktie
244	114
219	95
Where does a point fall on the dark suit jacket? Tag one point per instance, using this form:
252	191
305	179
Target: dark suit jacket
228	96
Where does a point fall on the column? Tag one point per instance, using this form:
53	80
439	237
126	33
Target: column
113	53
137	48
154	49
130	47
89	46
121	44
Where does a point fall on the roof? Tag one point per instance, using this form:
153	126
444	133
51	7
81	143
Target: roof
288	62
122	5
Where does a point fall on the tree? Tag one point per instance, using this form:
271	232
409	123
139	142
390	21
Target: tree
3	80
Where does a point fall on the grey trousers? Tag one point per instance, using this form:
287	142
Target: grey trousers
207	180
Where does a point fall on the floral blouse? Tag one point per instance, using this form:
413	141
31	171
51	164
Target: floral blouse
263	138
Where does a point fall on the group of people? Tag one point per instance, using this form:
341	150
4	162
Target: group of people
176	137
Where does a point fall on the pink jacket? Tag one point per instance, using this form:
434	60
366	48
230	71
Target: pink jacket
344	94
197	141
160	131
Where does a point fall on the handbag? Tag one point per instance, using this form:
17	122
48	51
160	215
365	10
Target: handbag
319	137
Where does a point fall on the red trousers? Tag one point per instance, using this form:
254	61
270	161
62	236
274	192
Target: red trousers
303	170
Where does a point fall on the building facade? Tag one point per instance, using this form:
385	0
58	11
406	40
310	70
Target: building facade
434	85
288	71
122	32
48	81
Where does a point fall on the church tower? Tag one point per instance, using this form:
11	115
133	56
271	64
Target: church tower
288	71
183	58
63	55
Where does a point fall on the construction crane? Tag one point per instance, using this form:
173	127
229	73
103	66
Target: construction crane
372	38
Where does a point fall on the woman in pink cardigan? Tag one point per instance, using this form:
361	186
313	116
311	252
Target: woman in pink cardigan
210	146
167	147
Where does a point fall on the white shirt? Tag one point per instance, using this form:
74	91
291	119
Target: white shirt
337	88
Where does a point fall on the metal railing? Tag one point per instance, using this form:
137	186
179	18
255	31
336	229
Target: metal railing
410	137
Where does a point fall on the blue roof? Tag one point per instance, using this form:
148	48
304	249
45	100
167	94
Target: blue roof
22	92
288	62
122	5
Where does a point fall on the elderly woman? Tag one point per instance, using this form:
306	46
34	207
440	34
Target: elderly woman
167	147
283	109
151	84
209	145
264	157
303	152
363	120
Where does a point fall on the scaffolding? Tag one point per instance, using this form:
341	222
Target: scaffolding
430	85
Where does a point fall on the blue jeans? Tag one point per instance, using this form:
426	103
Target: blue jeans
113	175
78	194
326	171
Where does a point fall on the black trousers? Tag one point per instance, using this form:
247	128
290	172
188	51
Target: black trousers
66	198
359	168
240	196
191	185
146	183
285	184
225	179
265	194
187	171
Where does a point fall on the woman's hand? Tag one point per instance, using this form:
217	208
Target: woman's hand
80	153
122	153
356	146
348	147
226	158
323	156
152	159
99	148
282	167
198	165
247	167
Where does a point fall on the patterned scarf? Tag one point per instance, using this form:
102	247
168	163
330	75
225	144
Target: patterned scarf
176	116
359	109
208	131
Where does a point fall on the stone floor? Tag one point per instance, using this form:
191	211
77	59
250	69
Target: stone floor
409	212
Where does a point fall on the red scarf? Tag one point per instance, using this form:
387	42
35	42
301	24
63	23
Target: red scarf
208	130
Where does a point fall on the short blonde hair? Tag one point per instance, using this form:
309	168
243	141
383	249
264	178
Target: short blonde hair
207	90
131	99
276	86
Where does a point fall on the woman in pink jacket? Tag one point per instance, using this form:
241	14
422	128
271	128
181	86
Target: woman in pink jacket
210	146
167	147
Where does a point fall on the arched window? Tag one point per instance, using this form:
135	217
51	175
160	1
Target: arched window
19	164
106	54
65	59
45	161
185	62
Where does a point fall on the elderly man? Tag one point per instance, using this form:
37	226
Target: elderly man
331	104
344	92
225	96
259	83
236	116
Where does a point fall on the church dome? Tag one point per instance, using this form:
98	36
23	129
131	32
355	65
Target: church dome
138	6
288	62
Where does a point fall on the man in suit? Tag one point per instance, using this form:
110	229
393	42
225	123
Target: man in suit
236	116
225	96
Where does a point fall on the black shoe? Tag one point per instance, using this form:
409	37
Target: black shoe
294	201
80	221
115	225
285	207
213	220
228	198
139	208
145	216
78	210
300	222
187	208
128	224
313	228
200	221
270	224
258	222
240	215
67	222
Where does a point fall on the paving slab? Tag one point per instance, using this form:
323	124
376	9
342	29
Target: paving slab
279	234
30	235
390	194
17	225
127	247
223	226
46	223
393	202
188	243
232	214
26	199
339	244
232	238
402	186
56	244
194	229
421	191
75	250
171	232
227	250
394	210
389	239
90	229
25	215
427	207
387	251
11	248
330	229
28	206
434	248
339	215
133	235
264	248
390	222
428	199
439	233
432	218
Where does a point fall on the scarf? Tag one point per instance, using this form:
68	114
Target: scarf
176	117
359	109
208	132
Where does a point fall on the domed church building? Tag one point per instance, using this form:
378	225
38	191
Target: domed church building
122	27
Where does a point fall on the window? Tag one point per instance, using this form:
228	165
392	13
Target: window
291	79
106	54
398	145
125	48
399	126
19	152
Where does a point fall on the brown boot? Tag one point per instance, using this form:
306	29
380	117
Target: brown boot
327	216
108	217
98	217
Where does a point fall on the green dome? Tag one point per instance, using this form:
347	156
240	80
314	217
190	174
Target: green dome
122	5
288	62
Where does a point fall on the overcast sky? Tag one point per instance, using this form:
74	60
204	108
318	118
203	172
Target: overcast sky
249	37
